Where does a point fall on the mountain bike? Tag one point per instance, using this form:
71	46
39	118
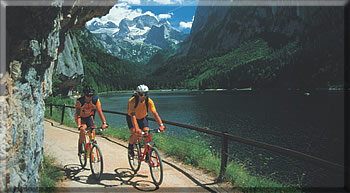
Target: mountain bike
150	155
91	150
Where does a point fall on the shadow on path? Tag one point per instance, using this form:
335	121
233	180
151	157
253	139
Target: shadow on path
124	175
175	167
73	172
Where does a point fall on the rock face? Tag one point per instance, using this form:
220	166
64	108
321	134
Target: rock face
35	37
69	66
222	28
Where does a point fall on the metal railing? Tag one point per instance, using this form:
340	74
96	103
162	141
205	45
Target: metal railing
225	137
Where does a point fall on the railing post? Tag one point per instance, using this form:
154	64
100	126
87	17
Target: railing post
50	110
63	108
224	156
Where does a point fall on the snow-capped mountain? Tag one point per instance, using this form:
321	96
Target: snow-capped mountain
107	28
138	39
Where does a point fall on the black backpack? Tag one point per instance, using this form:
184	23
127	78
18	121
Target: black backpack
137	101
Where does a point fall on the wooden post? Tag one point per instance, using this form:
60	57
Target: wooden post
224	156
50	110
63	108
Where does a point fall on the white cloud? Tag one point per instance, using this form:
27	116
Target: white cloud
184	25
164	2
159	2
130	2
164	16
119	12
122	10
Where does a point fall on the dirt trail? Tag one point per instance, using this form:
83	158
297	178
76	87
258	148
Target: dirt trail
61	142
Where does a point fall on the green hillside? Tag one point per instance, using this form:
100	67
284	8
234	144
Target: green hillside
256	64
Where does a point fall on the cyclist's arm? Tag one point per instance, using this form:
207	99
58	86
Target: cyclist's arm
134	121
99	112
156	117
153	110
77	116
159	120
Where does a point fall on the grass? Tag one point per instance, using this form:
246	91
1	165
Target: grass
196	152
57	115
49	175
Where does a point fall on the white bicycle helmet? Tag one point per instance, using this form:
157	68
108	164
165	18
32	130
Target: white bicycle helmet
142	88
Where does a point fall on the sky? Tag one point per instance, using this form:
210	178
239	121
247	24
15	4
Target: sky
179	14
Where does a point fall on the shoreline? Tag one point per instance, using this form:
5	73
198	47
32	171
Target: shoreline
306	91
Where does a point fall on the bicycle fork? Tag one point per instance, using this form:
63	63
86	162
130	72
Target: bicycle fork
147	151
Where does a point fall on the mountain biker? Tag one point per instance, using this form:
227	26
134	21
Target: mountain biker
138	106
85	109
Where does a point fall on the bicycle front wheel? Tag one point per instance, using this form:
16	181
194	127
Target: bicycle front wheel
82	154
96	161
135	159
156	166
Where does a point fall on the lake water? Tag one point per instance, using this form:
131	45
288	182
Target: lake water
309	123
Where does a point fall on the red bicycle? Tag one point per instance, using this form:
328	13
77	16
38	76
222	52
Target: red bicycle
150	155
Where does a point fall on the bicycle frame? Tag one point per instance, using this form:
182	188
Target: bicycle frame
147	146
90	137
150	155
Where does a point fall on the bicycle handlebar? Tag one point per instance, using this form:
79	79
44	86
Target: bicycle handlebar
89	128
100	128
151	130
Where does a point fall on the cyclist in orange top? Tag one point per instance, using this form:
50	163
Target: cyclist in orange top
138	106
85	109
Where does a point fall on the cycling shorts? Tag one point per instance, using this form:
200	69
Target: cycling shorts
89	121
141	122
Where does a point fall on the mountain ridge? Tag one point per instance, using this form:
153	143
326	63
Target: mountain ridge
306	49
139	39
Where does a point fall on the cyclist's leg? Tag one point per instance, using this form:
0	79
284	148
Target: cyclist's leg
82	133
133	134
91	124
145	128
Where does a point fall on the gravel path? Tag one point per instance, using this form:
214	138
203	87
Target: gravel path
61	142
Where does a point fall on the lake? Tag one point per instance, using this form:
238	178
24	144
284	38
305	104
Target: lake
311	123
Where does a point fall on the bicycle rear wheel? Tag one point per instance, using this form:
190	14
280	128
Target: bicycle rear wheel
156	166
82	155
135	161
96	161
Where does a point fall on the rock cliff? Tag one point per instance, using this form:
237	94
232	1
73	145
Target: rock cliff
223	28
70	69
36	37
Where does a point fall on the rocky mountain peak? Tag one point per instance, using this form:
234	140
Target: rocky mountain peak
142	32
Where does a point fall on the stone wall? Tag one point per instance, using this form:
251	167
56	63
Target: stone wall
35	36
